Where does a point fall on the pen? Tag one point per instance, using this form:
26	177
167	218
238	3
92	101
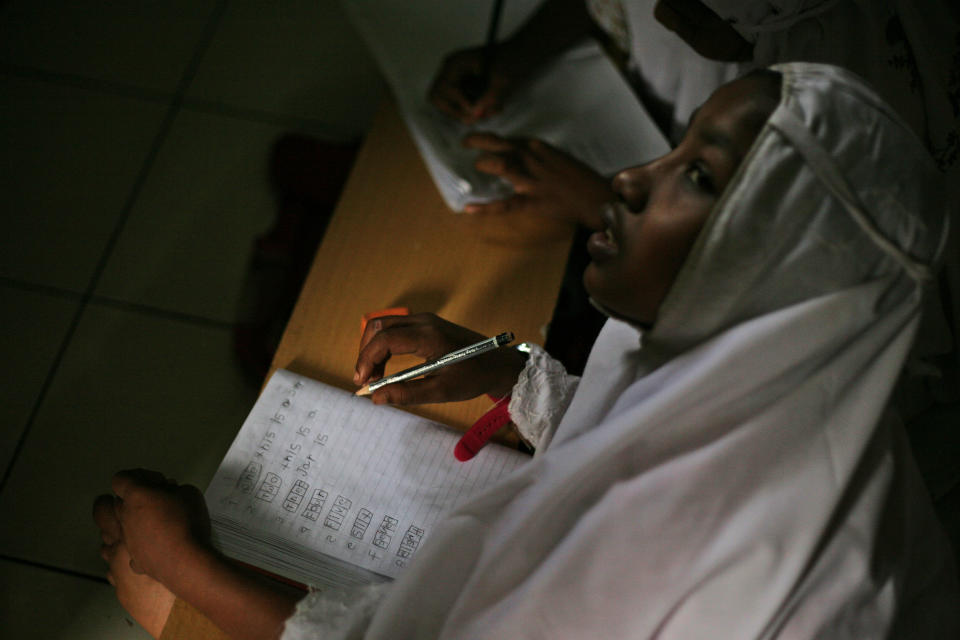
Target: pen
474	85
428	367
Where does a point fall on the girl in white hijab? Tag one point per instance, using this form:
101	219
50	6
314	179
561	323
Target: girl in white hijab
729	472
725	468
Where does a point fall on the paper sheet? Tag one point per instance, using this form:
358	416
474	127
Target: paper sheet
315	470
580	104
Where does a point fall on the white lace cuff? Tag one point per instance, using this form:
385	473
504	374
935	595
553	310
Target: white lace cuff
541	397
337	614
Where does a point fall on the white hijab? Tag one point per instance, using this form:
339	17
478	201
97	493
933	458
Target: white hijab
909	51
736	476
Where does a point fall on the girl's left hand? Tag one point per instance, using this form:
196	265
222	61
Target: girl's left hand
164	525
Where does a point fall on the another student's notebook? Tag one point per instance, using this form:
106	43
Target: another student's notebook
325	488
580	103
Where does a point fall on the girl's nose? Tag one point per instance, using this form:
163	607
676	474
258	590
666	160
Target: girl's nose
633	187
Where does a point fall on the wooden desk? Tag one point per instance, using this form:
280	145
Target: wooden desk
393	242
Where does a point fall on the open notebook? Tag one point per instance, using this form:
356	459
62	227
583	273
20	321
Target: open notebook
580	104
325	488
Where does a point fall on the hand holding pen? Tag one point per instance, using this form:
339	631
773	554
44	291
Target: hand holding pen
430	337
470	86
458	91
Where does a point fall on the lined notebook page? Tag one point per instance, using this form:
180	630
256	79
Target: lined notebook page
315	469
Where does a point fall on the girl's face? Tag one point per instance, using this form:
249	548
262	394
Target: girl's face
663	205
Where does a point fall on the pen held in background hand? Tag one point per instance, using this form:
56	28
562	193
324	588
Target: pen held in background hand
475	85
428	367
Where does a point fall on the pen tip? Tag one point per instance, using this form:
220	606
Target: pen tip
363	391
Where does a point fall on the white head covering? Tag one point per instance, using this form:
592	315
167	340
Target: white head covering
909	52
734	478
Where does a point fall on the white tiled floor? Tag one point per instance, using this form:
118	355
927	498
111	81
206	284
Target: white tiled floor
133	141
34	325
70	159
36	604
137	44
269	57
133	390
185	245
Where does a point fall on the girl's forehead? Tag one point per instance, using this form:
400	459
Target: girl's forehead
736	112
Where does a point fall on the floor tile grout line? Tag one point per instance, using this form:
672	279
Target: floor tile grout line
145	309
33	287
203	44
44	388
327	130
54	568
86	83
116	303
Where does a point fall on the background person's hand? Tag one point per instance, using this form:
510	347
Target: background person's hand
429	336
555	27
451	86
547	182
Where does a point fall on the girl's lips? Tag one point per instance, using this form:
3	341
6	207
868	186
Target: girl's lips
602	245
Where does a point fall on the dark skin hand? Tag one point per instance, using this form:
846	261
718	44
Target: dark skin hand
555	27
145	599
447	94
429	337
160	519
548	184
161	529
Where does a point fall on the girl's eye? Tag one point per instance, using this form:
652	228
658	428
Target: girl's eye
701	178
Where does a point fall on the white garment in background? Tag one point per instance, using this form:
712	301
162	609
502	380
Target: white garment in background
737	476
907	50
672	78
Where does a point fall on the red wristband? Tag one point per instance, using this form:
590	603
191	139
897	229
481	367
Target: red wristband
483	429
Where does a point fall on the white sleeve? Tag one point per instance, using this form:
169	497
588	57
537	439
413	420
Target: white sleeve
541	397
334	614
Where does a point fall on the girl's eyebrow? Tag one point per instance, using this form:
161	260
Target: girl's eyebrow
716	138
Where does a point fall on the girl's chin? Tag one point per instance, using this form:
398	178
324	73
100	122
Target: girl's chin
591	277
592	282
